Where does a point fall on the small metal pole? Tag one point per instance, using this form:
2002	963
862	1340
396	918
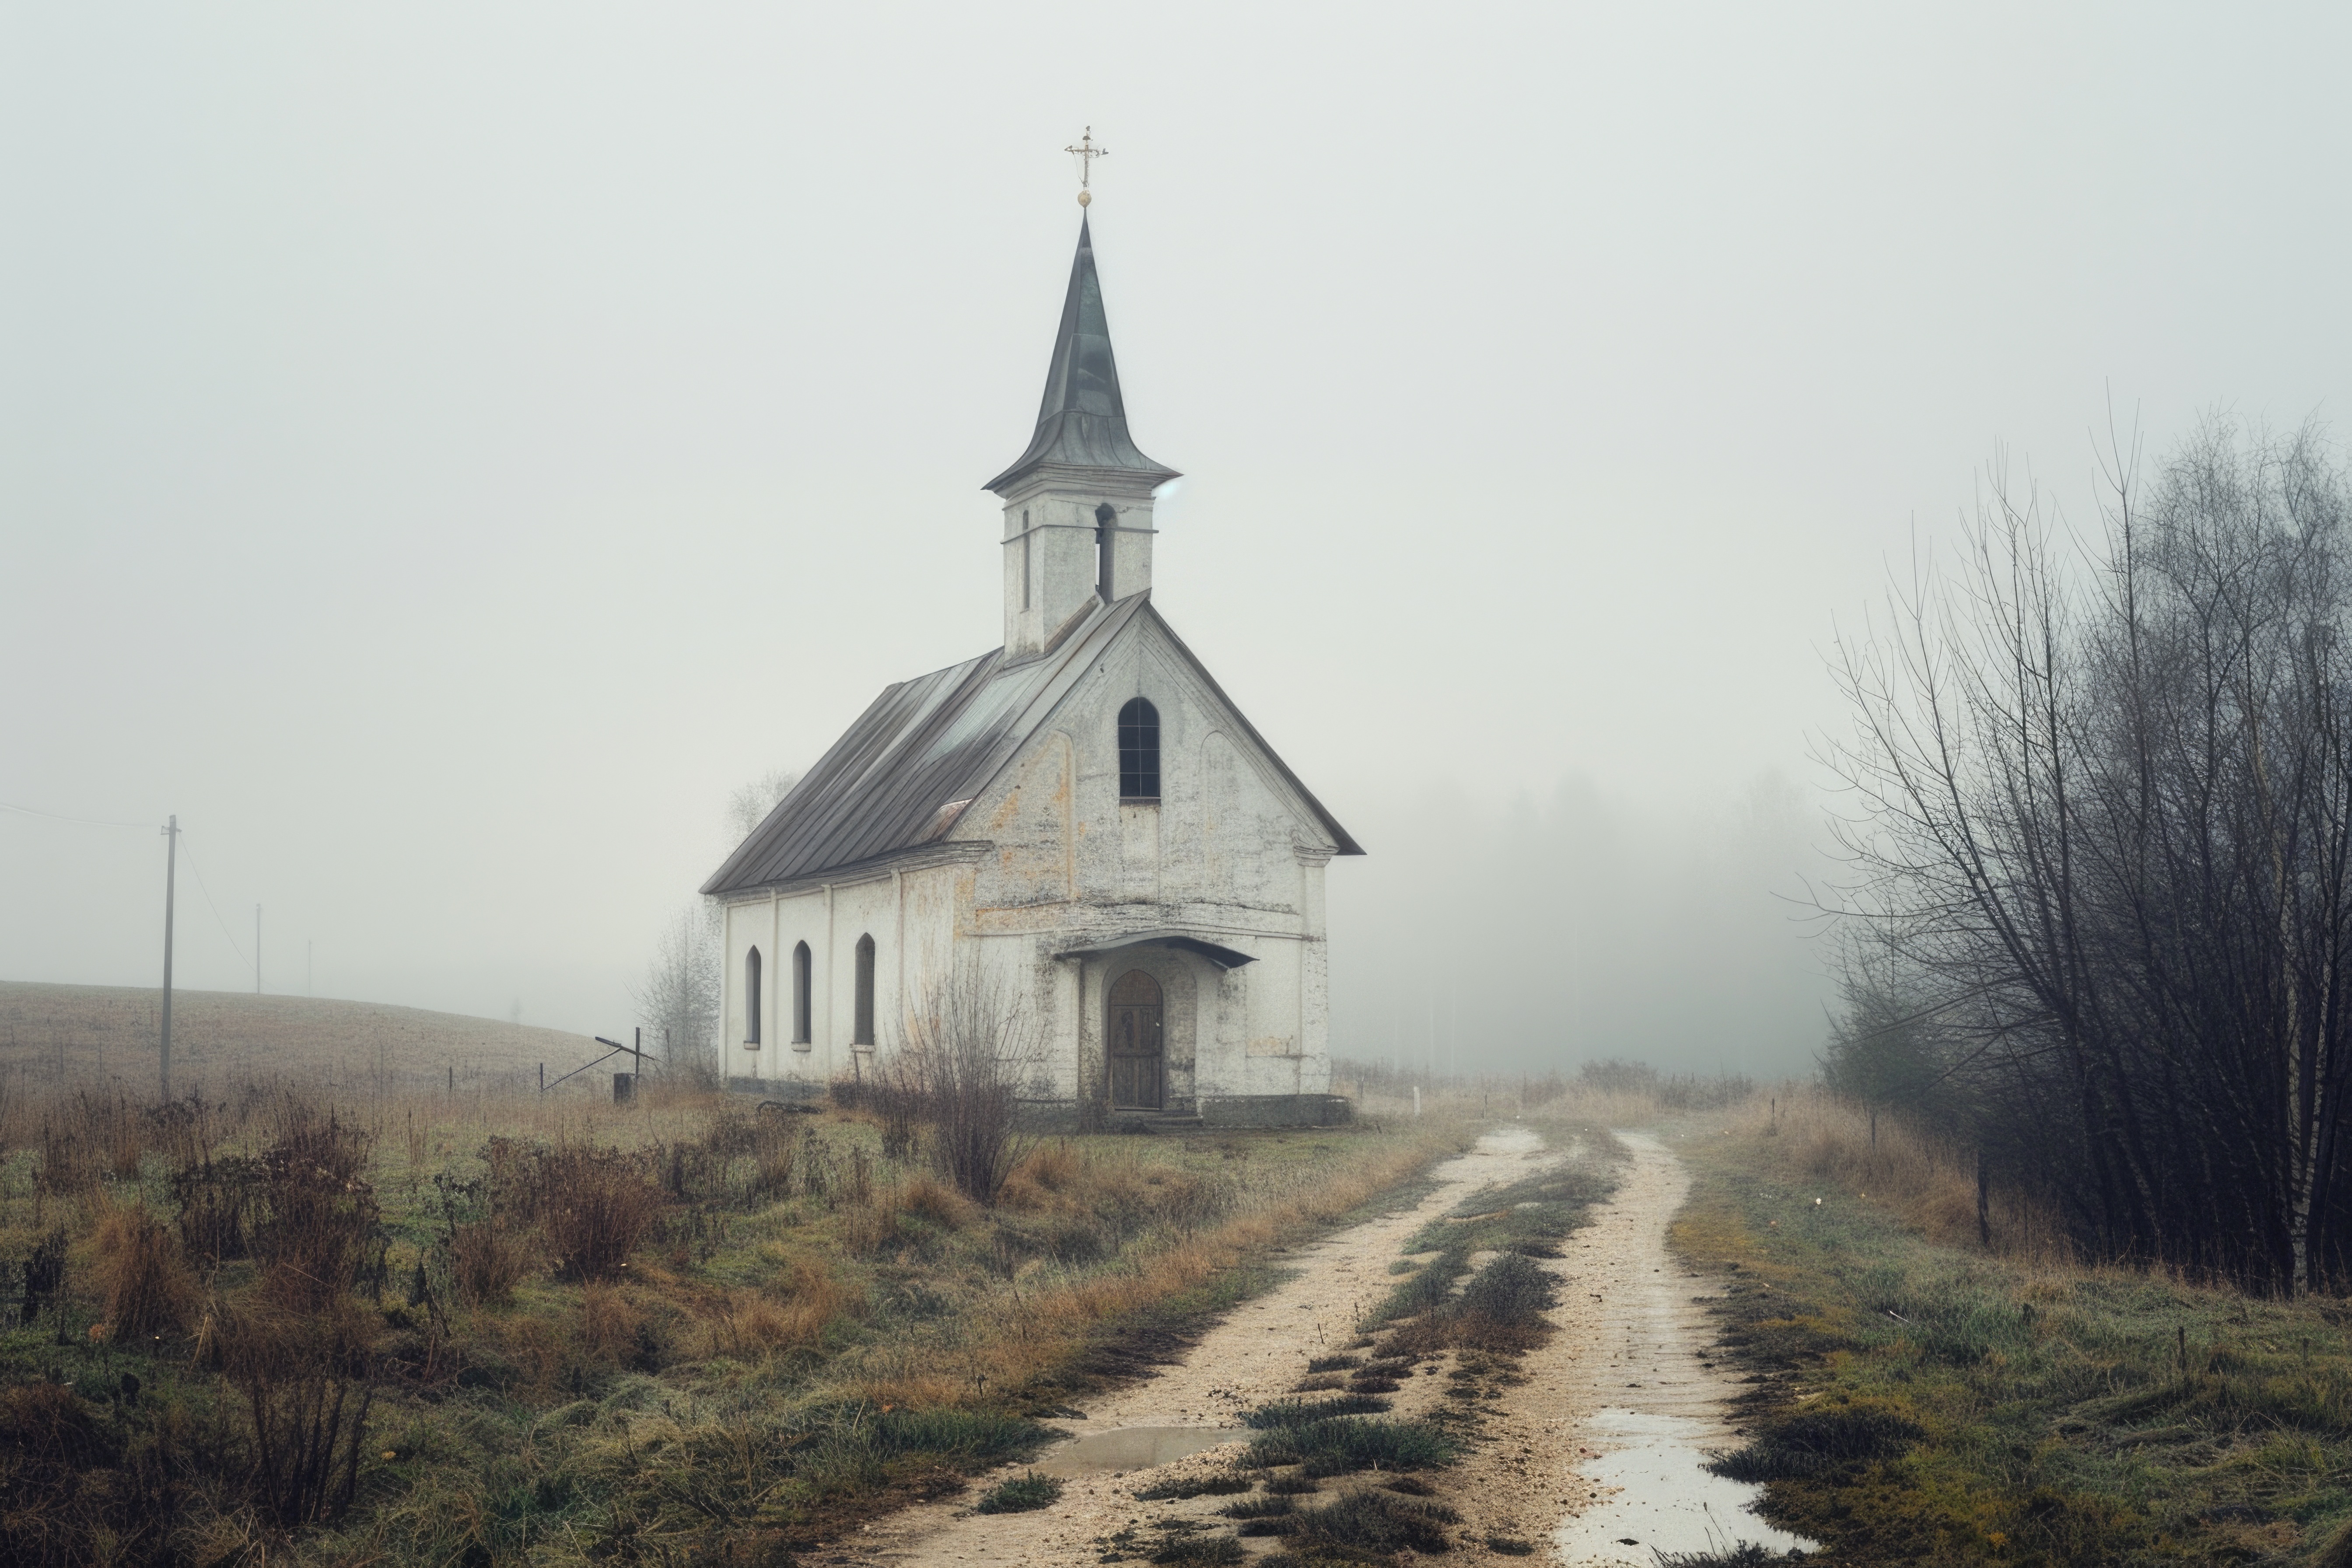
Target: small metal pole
171	892
542	1077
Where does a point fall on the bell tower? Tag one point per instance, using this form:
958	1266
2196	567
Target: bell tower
1077	504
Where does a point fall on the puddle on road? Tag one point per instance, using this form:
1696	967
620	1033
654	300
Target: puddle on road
1134	1449
1668	1503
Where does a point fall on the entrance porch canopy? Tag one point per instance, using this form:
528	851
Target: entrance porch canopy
1223	957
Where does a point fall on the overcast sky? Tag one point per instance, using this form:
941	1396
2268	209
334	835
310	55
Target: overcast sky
445	449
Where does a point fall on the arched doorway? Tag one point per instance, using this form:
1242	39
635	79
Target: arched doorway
1139	1079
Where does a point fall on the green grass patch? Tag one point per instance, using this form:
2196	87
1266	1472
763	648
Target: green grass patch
1193	1487
1917	1402
1342	1443
1022	1494
1298	1412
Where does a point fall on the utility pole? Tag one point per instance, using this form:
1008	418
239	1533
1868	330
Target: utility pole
256	950
171	889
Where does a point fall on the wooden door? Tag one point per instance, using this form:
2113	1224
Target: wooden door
1139	1080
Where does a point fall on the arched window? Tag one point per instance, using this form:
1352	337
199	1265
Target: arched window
801	967
752	1000
1105	539
1138	751
862	1032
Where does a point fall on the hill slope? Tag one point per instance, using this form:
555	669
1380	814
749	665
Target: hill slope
60	1032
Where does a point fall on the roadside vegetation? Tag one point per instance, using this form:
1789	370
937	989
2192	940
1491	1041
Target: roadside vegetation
473	1329
1938	1383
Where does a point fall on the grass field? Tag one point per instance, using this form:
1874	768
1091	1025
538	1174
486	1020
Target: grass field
59	1034
280	1320
1923	1399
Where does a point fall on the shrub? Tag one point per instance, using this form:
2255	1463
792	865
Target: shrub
150	1291
1023	1494
969	1049
596	1207
486	1262
45	1275
303	1378
214	1198
316	1220
1335	1364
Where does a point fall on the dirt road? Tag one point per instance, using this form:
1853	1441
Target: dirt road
1592	1457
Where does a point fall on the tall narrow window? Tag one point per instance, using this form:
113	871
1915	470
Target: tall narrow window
1138	751
1105	544
862	1032
752	1000
801	967
1025	561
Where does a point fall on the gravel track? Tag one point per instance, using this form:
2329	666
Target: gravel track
1631	1340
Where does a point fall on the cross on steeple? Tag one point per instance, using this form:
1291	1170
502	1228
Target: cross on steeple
1086	152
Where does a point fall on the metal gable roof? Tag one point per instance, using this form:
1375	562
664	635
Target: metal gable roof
922	746
933	744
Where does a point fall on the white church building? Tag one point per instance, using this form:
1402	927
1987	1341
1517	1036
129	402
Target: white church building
1082	819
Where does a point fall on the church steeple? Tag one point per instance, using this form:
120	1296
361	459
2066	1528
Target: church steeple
1077	503
1082	422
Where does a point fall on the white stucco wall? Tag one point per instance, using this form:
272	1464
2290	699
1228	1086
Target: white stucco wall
1048	858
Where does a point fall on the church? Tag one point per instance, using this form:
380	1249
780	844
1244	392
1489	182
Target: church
1080	822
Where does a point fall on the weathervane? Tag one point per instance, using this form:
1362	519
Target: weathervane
1086	152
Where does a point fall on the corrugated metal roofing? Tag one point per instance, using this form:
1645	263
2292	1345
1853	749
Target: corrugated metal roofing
1083	421
903	773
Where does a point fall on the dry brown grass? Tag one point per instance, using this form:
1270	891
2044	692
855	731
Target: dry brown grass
90	1033
486	1261
609	1324
1031	1332
596	1206
149	1288
790	1313
1804	1131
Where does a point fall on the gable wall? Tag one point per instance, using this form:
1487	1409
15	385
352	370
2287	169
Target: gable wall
1221	845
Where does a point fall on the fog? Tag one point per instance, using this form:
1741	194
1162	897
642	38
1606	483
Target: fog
446	451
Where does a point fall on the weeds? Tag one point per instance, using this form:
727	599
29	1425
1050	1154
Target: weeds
1193	1487
1298	1412
648	1333
1023	1494
150	1291
1338	1444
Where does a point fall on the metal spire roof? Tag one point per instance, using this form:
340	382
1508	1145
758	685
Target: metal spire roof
1082	422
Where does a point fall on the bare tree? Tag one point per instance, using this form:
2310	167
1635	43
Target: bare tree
971	1049
748	806
678	1000
2103	843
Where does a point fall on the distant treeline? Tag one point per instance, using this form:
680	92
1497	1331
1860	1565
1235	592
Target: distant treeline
2100	823
1670	1091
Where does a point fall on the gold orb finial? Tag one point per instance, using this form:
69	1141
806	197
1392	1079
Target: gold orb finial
1086	152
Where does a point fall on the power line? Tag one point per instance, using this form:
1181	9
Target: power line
209	895
84	821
